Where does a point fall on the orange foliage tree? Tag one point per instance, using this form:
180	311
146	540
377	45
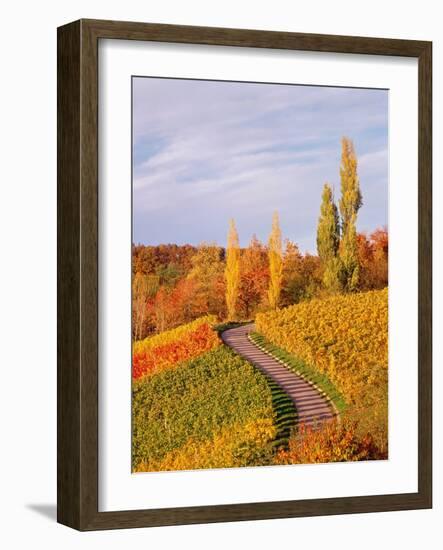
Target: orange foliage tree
254	277
373	259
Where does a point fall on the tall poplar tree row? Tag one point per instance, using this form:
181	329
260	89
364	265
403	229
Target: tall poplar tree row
328	240
232	271
275	256
350	203
337	238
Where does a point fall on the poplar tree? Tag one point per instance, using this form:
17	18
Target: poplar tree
349	256
350	203
328	229
275	257
232	270
328	241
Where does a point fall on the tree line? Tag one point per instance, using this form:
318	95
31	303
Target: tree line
175	284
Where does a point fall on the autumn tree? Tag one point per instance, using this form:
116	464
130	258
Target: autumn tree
292	280
175	306
373	259
311	274
351	199
301	275
328	241
349	257
232	271
208	274
144	288
275	263
163	260
380	246
350	203
328	228
164	312
254	277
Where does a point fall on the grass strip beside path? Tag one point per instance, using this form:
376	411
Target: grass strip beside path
300	367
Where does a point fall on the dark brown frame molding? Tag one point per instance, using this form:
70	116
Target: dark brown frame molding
77	317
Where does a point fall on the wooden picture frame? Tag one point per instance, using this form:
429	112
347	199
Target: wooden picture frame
77	456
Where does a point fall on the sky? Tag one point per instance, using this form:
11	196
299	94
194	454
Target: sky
208	151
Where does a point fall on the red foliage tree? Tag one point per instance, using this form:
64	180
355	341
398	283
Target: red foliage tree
373	254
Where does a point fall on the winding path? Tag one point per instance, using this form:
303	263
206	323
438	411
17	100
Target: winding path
312	408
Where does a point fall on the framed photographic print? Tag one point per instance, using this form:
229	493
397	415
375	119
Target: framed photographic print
244	274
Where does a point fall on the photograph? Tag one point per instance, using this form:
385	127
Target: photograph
230	278
259	280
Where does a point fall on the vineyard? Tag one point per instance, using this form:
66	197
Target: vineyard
214	411
167	349
344	337
197	404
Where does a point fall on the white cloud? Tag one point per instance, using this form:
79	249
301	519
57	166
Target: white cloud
224	147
